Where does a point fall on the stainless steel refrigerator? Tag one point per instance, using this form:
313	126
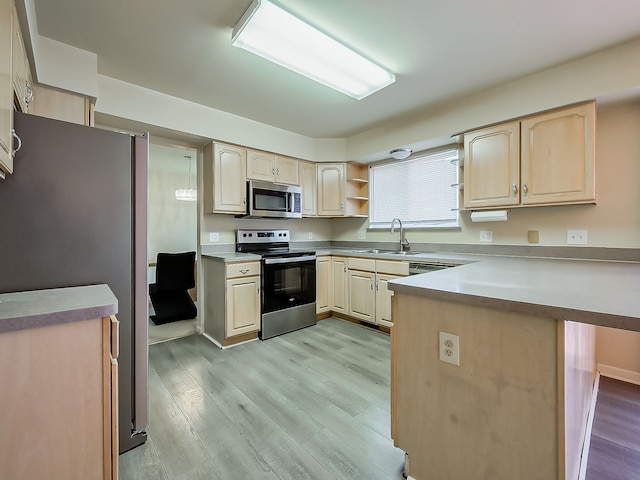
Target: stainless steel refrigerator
74	212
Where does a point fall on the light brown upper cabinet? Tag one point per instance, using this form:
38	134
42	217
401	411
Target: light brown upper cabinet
22	83
225	177
6	89
309	186
343	189
544	159
269	167
331	189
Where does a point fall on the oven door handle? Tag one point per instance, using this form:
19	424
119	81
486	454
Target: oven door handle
273	261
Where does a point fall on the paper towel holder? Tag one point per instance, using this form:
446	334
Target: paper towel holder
490	215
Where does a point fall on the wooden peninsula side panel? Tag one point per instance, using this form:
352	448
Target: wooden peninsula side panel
502	413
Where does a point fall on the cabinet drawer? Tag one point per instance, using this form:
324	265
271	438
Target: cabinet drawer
364	264
393	268
243	269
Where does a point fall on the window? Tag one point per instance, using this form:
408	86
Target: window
418	191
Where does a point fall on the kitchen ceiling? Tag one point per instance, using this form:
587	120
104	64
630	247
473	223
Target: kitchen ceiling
438	49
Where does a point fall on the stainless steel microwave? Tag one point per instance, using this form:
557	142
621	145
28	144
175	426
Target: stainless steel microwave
272	200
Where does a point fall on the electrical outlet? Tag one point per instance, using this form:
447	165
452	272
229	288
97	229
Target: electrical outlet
360	234
214	236
450	348
486	236
310	235
576	237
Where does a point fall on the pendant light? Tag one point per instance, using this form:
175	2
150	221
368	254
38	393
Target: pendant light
187	194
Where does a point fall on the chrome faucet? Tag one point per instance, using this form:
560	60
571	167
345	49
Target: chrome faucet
404	243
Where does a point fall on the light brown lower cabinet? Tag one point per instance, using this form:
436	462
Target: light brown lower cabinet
59	401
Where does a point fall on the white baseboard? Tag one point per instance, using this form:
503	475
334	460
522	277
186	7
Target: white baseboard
587	436
619	374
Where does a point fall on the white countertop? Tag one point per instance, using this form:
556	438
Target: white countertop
38	308
595	292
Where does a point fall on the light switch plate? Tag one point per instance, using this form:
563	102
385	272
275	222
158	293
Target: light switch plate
214	236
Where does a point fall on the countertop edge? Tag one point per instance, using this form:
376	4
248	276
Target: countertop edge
39	308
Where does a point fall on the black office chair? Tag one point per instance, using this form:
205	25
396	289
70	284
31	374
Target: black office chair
169	295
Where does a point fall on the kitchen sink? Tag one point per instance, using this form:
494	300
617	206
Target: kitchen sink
388	252
402	253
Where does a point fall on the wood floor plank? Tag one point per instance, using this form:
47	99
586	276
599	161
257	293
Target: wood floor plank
378	450
292	462
376	419
337	392
296	422
261	431
204	471
142	463
611	461
232	453
341	460
179	448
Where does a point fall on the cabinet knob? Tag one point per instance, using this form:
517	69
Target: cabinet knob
377	286
244	271
371	283
273	171
525	190
514	189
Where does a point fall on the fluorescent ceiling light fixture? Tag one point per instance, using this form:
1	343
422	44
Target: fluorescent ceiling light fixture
267	30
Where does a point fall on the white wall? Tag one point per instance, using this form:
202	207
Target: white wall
613	222
172	223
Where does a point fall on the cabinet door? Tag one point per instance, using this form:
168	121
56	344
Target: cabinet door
6	89
224	179
309	188
339	293
287	170
331	189
323	285
491	166
362	303
242	306
20	67
383	299
558	159
260	166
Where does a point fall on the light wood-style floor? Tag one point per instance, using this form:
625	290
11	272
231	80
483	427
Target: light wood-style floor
614	452
311	404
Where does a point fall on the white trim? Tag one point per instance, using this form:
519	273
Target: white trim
587	439
619	374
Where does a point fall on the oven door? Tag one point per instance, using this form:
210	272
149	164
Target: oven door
288	282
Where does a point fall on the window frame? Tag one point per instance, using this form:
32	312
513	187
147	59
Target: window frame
453	223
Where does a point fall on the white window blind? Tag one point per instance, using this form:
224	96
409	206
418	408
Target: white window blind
418	191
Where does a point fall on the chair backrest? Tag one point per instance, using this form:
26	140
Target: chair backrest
174	271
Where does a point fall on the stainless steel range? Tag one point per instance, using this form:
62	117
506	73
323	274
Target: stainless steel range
288	281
